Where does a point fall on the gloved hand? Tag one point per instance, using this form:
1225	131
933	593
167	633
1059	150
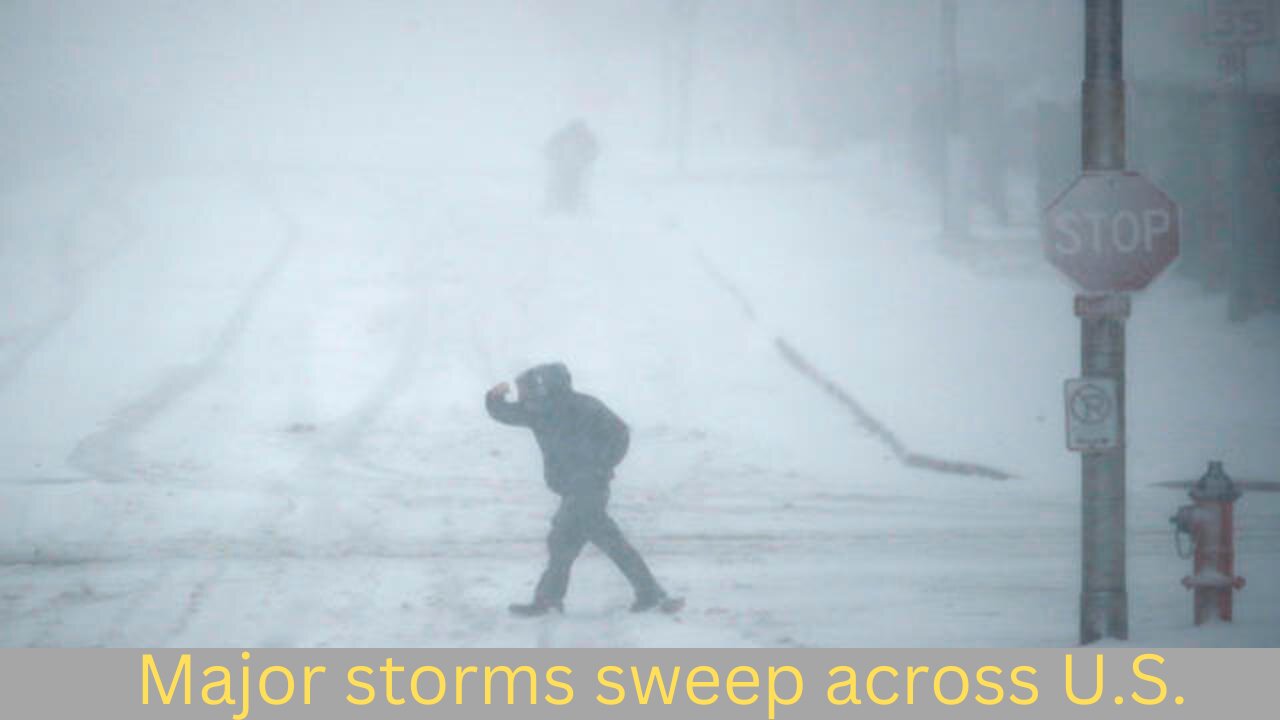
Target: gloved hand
500	390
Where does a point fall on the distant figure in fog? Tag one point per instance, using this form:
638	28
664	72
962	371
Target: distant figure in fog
570	152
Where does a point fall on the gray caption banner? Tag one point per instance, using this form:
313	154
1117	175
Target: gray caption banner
753	684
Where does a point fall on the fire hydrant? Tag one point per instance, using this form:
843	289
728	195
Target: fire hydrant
1209	523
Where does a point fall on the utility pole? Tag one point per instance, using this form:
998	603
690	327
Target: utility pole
955	208
781	122
1104	601
1233	66
682	16
1232	26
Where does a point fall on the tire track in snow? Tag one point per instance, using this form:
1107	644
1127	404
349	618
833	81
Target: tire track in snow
119	633
343	442
336	456
196	597
72	280
862	416
107	454
446	582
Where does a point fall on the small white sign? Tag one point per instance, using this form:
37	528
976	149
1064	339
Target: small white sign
1092	418
1239	23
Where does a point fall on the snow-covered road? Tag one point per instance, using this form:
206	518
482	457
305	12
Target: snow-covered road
243	409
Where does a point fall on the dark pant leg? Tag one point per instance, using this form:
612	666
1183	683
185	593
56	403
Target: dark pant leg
606	535
567	537
582	517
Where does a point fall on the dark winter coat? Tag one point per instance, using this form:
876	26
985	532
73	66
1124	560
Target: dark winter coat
573	148
581	439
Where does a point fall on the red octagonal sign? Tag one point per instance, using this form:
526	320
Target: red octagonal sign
1111	232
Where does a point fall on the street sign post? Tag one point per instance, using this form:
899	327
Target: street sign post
1111	232
1093	414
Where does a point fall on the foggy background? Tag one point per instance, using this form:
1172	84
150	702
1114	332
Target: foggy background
260	260
158	84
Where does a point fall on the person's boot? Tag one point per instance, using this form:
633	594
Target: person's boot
539	607
657	601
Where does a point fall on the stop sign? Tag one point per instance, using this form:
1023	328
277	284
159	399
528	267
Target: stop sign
1111	232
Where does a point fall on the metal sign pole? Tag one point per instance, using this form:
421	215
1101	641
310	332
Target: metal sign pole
1112	232
1104	602
1233	26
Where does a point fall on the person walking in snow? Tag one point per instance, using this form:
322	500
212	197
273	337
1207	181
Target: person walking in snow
582	441
570	152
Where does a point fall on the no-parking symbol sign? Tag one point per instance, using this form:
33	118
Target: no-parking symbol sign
1093	414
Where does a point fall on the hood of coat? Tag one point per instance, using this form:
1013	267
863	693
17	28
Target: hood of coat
542	385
